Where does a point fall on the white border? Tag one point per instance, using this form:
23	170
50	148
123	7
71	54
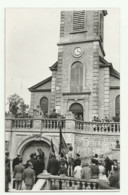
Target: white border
123	66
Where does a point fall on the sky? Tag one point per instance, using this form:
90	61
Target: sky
31	48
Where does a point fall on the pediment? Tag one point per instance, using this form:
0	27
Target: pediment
44	85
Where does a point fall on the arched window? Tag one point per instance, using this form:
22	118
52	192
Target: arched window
76	84
44	104
117	106
77	110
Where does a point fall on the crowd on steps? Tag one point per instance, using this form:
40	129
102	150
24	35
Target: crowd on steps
107	171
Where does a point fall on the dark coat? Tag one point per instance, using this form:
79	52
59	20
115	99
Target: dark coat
77	162
62	171
114	180
62	161
18	172
39	166
33	161
29	176
7	177
95	171
15	162
53	166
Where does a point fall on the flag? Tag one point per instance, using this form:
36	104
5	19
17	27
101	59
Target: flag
52	148
63	149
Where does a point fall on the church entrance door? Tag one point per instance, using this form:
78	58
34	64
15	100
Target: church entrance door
77	110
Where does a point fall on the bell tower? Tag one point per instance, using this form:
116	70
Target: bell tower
77	78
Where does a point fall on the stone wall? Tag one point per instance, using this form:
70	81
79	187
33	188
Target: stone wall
114	81
35	100
90	144
53	91
101	93
113	94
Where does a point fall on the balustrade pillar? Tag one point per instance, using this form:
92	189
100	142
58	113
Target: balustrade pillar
70	122
37	123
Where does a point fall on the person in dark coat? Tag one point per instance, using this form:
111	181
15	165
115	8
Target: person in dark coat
40	164
94	170
7	159
114	178
18	175
7	175
77	160
63	161
96	159
53	165
108	166
33	160
62	170
53	114
15	161
29	176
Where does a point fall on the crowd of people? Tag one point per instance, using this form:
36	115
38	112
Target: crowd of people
24	173
106	119
107	171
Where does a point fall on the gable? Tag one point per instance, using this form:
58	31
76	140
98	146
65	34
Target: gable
44	85
104	63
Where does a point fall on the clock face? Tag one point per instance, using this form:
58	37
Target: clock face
77	51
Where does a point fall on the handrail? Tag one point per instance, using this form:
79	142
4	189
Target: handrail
69	183
55	123
98	126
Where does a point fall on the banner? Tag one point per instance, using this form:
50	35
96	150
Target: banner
63	149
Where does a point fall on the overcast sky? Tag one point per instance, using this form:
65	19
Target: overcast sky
31	46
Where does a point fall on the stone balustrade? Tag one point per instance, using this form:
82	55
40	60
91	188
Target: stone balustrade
53	123
22	123
105	127
68	183
67	124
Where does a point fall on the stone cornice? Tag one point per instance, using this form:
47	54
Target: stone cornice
114	87
76	93
86	41
40	90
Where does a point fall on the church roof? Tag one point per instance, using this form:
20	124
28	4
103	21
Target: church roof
54	66
105	12
34	87
104	63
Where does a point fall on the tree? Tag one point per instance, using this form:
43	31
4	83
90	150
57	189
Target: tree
17	106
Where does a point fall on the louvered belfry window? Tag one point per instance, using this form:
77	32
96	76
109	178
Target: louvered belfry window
76	84
78	20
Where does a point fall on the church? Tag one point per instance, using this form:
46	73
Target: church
81	81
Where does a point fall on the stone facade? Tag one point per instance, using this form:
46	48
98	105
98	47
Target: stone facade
99	76
82	44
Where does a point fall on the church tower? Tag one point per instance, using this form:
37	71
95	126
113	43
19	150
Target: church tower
75	84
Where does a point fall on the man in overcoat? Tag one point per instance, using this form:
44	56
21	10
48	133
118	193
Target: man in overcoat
29	176
18	175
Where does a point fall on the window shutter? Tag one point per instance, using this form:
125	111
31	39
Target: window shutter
78	20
